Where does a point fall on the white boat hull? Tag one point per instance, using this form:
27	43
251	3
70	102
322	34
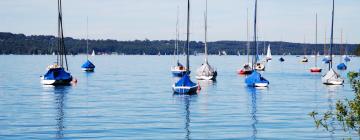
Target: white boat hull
261	84
54	82
204	77
88	69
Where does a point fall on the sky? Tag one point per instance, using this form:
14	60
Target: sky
285	20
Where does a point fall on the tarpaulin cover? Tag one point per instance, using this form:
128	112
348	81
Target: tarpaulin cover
254	78
57	74
185	82
88	64
341	66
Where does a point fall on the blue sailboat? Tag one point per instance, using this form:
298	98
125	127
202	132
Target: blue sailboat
179	70
185	85
255	79
57	73
88	66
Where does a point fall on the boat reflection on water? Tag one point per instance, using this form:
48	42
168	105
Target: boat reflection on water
206	84
252	92
186	100
58	93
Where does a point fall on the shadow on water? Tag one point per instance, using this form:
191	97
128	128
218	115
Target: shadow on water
186	100
59	94
253	94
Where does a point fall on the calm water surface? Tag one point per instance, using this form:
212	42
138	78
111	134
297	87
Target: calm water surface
130	97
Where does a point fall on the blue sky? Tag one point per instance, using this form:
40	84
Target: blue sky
288	20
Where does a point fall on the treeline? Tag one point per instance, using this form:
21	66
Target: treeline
42	44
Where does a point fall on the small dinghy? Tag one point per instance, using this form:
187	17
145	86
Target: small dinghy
331	77
88	66
304	59
281	59
185	85
255	79
341	66
57	74
206	71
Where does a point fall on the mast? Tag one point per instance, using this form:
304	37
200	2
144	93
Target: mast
206	49
255	37
177	36
247	35
87	38
341	45
332	36
188	39
316	38
61	43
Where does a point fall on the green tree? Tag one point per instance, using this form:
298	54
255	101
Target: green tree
347	112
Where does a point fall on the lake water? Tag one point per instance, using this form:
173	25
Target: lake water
130	97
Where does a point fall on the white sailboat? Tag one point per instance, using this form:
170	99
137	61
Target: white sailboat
331	77
93	53
268	53
206	71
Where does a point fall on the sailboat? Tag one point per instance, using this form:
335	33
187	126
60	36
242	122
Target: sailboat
341	66
331	77
179	70
268	53
185	85
281	59
93	53
304	59
255	79
57	73
206	71
88	65
247	69
316	68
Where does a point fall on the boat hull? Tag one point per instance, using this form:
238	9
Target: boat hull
185	90
88	69
244	72
315	70
56	82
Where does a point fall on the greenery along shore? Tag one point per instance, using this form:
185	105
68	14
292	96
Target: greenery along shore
41	44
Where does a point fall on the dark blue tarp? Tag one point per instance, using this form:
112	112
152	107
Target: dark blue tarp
326	60
347	59
185	81
57	74
88	64
341	66
255	77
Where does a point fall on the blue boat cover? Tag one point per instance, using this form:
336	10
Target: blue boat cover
347	59
185	81
88	64
254	78
341	66
57	74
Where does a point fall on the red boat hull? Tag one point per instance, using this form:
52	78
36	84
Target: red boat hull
315	70
244	72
